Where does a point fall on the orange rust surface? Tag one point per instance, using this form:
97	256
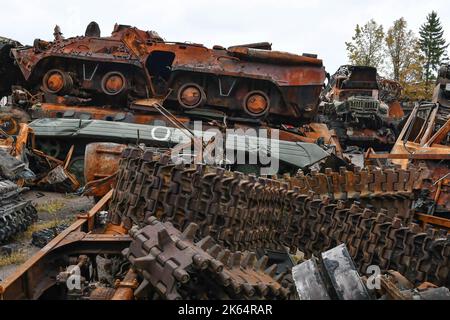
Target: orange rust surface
16	146
51	110
114	83
298	79
115	230
430	153
126	287
396	110
427	219
101	161
411	150
55	82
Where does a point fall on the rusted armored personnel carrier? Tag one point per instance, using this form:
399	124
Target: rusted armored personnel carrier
245	82
352	105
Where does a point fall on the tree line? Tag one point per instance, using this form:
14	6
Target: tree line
412	60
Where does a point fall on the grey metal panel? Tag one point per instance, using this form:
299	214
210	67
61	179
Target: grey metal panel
343	274
309	282
299	154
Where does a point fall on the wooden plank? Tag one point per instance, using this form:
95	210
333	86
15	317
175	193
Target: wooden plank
415	156
434	220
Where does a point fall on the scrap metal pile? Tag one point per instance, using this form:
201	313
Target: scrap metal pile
241	81
425	139
21	168
167	229
243	212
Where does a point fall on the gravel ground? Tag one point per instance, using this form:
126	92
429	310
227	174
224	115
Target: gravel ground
51	206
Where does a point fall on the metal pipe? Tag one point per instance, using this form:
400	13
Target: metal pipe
126	287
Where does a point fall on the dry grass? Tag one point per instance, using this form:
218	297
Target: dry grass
17	257
52	207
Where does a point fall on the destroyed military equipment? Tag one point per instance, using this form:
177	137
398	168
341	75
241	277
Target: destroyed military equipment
42	237
135	78
211	221
23	163
294	154
175	267
352	105
333	275
14	169
16	214
425	139
245	81
441	93
244	212
112	112
8	71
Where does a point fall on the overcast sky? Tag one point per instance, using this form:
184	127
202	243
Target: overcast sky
313	26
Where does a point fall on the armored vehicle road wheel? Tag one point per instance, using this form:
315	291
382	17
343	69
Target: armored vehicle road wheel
57	81
113	83
256	103
191	96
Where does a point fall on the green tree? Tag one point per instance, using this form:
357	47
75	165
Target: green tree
405	60
411	77
367	45
433	46
400	45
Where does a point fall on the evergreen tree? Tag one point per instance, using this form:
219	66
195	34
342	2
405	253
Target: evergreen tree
433	46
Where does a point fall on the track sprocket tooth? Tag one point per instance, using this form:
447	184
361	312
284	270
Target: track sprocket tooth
262	263
190	232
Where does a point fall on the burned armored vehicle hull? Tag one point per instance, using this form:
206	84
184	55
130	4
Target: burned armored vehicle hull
134	79
353	105
10	75
244	82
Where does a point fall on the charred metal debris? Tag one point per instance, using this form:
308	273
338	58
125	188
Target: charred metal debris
362	183
16	214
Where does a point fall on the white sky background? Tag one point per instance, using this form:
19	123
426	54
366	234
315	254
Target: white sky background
313	26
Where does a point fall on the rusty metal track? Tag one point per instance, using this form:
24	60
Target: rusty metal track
312	213
175	267
16	214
